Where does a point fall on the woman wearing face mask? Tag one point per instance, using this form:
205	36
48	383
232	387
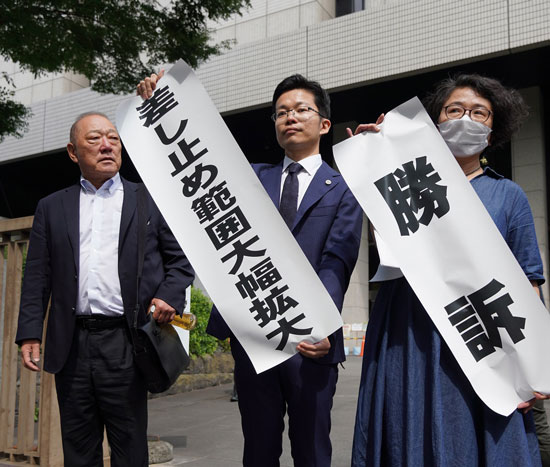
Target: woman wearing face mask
416	407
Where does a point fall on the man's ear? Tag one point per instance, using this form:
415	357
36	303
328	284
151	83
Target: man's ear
72	152
325	126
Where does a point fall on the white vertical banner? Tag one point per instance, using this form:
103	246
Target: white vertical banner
223	219
414	192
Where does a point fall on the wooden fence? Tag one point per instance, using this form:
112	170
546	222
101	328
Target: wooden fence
30	432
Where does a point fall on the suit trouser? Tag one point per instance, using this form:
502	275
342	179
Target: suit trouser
300	384
100	387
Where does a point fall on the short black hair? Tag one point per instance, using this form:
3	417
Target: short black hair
509	107
322	99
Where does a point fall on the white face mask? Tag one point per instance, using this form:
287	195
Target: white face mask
464	136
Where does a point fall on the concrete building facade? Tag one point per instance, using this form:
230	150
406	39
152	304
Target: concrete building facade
379	54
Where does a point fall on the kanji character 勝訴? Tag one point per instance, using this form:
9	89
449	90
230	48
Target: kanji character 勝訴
413	189
478	320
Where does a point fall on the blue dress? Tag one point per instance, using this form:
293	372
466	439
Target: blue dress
416	408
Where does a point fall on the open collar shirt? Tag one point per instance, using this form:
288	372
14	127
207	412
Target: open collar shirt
98	282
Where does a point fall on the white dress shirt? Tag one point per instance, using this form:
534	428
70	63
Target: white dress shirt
98	281
310	166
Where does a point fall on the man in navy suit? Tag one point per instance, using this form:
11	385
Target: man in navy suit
326	222
83	254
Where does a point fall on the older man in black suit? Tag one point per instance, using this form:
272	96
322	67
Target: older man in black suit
83	254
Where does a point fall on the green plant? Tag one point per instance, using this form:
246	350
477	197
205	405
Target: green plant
113	43
201	343
224	345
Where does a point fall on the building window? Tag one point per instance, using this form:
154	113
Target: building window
345	7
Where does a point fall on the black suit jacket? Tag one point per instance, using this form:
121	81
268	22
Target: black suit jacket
53	262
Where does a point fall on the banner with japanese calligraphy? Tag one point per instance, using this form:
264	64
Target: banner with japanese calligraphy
233	235
452	254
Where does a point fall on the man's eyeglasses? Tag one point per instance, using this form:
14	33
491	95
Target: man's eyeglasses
301	113
477	114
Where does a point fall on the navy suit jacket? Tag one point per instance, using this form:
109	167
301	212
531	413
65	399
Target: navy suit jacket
53	262
328	229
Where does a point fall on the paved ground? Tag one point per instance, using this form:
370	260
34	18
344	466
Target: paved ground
204	426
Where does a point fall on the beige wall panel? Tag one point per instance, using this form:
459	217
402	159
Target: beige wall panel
284	21
529	22
250	31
